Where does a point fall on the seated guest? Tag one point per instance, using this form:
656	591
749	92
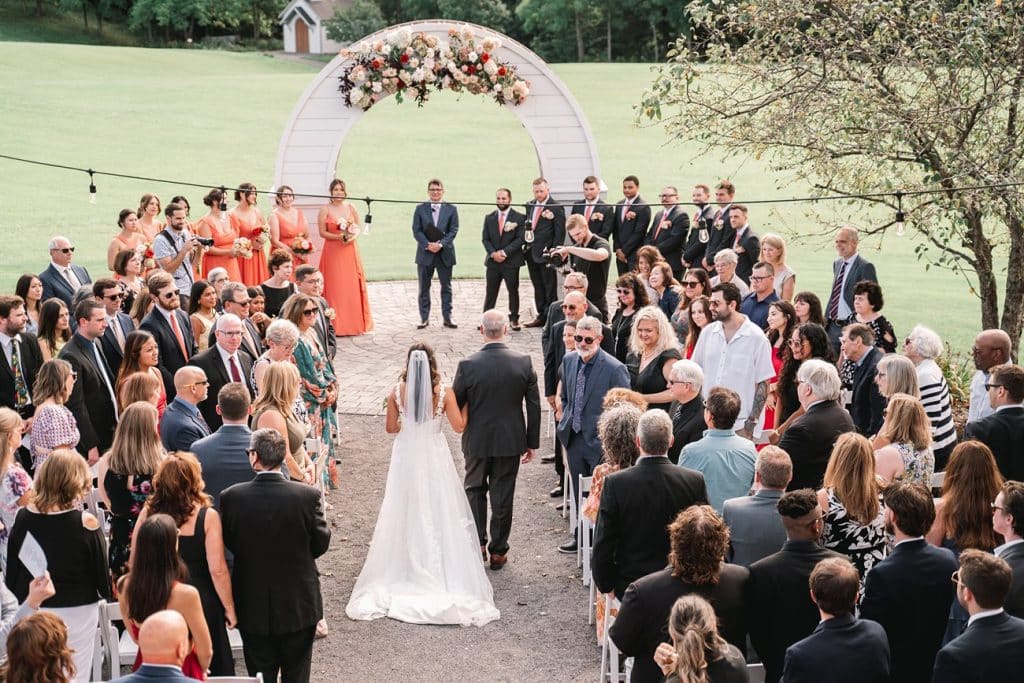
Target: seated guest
1003	430
164	646
810	438
699	540
687	409
654	349
762	295
53	425
1008	521
990	649
224	455
867	403
922	346
755	528
908	455
182	424
825	654
697	651
776	595
38	650
725	459
909	592
637	505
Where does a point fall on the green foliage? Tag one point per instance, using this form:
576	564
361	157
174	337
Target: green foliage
359	19
490	13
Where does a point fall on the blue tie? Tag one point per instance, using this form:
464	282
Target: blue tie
577	404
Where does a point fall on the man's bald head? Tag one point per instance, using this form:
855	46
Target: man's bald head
991	347
574	305
163	638
493	324
187	376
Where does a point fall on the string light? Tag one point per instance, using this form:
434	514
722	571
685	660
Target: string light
901	226
92	188
369	217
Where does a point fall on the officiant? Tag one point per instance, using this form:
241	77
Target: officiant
503	234
434	225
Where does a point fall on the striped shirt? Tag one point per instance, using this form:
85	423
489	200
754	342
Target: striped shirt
935	399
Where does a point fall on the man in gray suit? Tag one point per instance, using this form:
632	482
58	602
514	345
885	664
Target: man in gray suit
224	455
755	527
847	270
587	375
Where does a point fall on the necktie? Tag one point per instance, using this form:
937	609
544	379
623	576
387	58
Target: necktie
101	367
20	388
736	242
501	222
625	210
177	335
252	342
235	375
118	332
837	289
72	280
587	211
664	218
435	211
536	215
718	218
577	401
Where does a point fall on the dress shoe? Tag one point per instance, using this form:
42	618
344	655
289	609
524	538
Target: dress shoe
450	324
515	326
547	459
557	492
559	507
537	322
423	323
569	548
498	561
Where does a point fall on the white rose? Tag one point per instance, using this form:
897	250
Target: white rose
418	75
414	62
473	56
490	68
406	77
497	87
377	86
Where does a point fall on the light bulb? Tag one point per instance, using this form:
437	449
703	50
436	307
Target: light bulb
367	221
92	194
901	226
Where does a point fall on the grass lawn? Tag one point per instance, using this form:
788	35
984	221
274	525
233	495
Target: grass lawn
216	117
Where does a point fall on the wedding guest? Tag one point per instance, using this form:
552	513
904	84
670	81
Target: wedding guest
202	313
698	316
258	307
37	650
1002	430
110	293
319	384
183	423
695	284
908	454
755	527
148	214
859	353
344	281
665	286
279	287
164	647
61	279
807	341
223	455
1008	522
141	307
15	484
808	308
697	651
991	349
128	274
646	257
287	225
169	325
896	375
129	238
632	297
30	289
867	302
310	282
654	349
142	386
223	362
725	265
572	282
141	356
922	346
281	338
247	221
687	409
225	251
235	299
773	252
755	304
218	277
54	327
53	425
781	322
273	410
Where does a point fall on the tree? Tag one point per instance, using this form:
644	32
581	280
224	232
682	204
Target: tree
490	13
359	19
857	95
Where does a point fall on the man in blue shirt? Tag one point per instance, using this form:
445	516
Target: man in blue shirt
762	295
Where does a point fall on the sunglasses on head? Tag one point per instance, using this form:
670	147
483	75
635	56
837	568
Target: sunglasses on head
580	339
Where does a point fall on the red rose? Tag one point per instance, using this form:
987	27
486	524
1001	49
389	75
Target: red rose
471	70
502	71
484	57
401	84
149	253
375	64
404	59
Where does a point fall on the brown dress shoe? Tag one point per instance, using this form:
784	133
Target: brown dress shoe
537	322
498	561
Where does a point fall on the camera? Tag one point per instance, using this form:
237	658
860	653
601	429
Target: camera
552	260
205	241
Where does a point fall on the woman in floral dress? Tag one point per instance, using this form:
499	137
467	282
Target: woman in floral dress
14	481
319	385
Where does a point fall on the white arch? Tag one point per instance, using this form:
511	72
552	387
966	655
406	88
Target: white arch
311	142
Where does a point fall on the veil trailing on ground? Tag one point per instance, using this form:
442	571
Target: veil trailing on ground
419	391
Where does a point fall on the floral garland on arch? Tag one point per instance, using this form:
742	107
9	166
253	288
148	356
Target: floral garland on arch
405	64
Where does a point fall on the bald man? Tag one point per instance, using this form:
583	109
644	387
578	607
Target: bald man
163	641
991	349
182	423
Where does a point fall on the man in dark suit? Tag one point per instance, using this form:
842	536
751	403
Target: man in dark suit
1008	521
847	270
493	384
698	541
909	592
93	400
990	648
867	407
546	227
780	607
234	299
825	654
310	282
631	538
755	527
223	455
434	226
669	230
721	234
700	228
1003	430
600	216
21	357
119	323
810	438
169	325
587	375
503	243
163	647
223	362
62	278
745	242
573	306
182	424
572	282
275	527
632	216
687	410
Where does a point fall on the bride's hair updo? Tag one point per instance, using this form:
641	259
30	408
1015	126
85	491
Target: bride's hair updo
435	376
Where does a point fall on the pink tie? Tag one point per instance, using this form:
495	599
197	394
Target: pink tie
625	209
589	210
177	334
536	215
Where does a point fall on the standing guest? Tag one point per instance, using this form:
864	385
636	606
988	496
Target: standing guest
867	302
1008	522
141	356
164	647
573	307
632	216
687	410
178	493
319	388
61	279
773	252
258	307
725	265
847	270
866	404
247	221
735	353
15	484
502	238
218	277
908	455
177	250
646	257
808	308
235	299
128	275
310	282
725	459
694	283
93	400
21	357
991	349
665	286
222	455
287	225
722	234
909	592
589	254
572	282
275	528
806	341
125	476
274	410
141	307
669	229
202	313
632	297
854	520
71	540
699	539
281	338
435	224
129	237
169	325
149	216
600	217
182	423
37	650
922	346
780	323
700	223
1003	430
762	295
834	590
30	289
654	349
745	243
119	324
698	316
223	362
558	456
755	527
53	425
989	649
344	282
698	652
545	230
54	328
142	386
224	252
963	515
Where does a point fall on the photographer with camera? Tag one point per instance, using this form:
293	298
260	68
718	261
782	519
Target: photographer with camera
176	249
590	255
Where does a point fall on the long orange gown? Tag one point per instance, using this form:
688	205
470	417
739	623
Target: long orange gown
288	231
223	238
254	269
345	282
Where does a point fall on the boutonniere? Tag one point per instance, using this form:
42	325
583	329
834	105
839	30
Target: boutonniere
597	216
329	313
547	214
510	226
630	215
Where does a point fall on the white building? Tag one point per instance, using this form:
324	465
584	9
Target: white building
303	24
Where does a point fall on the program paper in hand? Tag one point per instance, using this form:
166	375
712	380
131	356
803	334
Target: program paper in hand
32	556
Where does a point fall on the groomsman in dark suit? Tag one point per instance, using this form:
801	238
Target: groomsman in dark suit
722	234
668	230
745	243
1003	430
847	270
700	226
503	243
599	215
546	225
632	216
434	225
170	326
223	362
21	357
119	323
62	278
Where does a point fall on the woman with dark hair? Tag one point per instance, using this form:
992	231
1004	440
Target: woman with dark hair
319	388
698	653
247	221
698	317
216	226
667	287
781	321
128	273
30	289
632	297
279	286
806	341
646	257
129	238
202	312
149	214
344	279
808	308
867	302
141	354
54	328
695	283
157	581
38	651
288	224
141	307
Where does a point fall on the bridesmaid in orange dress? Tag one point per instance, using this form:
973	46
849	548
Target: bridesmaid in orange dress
130	238
215	224
149	216
248	222
344	279
286	224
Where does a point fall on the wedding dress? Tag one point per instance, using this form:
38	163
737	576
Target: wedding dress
424	564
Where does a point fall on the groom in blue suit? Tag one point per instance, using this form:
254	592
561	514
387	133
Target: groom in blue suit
434	225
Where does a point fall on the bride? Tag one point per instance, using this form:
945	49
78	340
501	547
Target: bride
424	564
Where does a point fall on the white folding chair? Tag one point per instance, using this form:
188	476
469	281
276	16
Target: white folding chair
566	511
99	655
92	505
583	547
121	651
937	479
755	673
610	653
258	678
235	638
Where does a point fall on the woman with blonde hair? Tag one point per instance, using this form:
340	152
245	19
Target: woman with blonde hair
53	425
15	484
38	652
897	375
273	410
654	349
698	653
854	518
142	386
773	251
908	433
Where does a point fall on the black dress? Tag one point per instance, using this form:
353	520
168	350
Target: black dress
126	503
622	327
192	550
651	380
275	298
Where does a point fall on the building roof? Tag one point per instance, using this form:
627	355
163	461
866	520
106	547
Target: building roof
324	9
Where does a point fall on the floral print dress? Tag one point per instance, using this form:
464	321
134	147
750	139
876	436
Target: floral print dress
14	483
128	494
864	544
317	376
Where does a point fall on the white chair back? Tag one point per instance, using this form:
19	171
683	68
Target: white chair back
120	650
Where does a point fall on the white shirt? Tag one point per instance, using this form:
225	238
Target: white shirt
982	615
980	406
844	310
224	356
68	274
7	343
908	540
739	364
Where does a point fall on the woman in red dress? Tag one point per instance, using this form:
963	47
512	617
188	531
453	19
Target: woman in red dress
248	222
781	321
287	224
344	279
215	224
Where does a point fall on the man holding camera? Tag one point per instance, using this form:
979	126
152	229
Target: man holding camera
590	255
176	250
